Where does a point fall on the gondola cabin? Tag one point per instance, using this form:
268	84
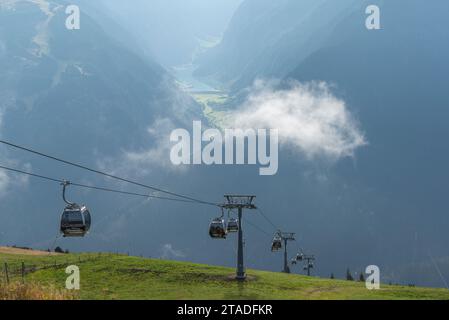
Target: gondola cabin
75	221
299	257
217	229
277	244
233	226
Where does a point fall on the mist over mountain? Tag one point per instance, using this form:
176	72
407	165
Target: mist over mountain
173	31
75	81
268	39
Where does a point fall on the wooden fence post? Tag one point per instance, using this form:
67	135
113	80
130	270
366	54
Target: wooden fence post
6	273
23	272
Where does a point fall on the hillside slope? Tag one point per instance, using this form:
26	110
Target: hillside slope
107	276
268	39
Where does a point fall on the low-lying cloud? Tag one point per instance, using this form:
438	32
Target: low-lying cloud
168	252
8	180
159	153
4	182
310	119
146	160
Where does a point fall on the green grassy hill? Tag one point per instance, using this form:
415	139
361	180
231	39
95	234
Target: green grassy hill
107	276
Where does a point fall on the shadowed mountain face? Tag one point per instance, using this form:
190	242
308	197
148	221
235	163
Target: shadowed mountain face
268	39
80	83
389	203
80	94
397	79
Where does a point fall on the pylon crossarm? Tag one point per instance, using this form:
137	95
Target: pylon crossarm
289	236
245	201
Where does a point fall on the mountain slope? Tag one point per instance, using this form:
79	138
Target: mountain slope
268	39
80	94
172	31
79	82
107	276
397	80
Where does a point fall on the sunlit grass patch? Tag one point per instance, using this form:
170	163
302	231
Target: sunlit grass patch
33	291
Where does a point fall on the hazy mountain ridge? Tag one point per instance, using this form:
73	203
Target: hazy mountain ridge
83	76
172	31
267	39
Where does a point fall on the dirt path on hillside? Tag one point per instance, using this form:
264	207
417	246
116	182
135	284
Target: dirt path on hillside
25	252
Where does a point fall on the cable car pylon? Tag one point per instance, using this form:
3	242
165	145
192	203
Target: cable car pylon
309	263
239	202
280	237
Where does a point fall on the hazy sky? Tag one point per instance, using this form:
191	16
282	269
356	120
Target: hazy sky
173	29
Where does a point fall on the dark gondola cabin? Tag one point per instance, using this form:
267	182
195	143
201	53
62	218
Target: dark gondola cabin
217	229
75	221
233	225
277	244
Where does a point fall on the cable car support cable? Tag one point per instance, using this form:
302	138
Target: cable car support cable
94	187
105	174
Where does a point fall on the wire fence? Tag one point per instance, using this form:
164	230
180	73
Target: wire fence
18	270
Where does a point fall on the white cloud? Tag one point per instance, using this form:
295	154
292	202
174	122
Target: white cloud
4	182
168	252
308	116
10	180
145	161
159	153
